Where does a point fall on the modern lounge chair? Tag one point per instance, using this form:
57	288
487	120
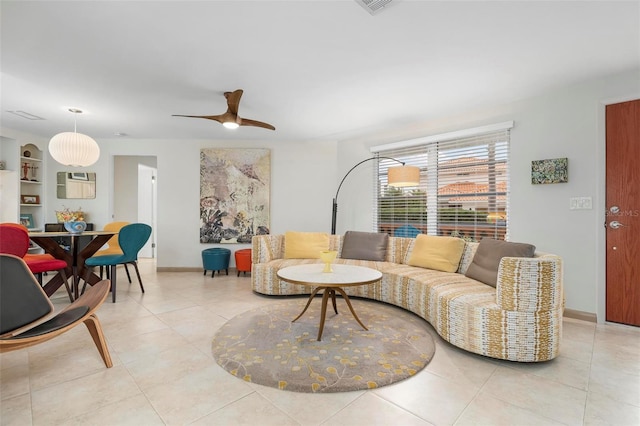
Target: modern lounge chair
131	239
25	310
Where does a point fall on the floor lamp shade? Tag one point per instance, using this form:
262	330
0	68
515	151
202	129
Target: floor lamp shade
74	149
403	176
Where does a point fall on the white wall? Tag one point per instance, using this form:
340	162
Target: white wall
565	122
302	175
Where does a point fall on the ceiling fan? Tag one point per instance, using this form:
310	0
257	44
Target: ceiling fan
231	119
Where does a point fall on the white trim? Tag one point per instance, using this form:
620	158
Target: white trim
474	131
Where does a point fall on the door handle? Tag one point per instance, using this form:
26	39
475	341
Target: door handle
615	224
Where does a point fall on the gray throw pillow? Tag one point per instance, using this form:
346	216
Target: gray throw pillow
364	246
486	261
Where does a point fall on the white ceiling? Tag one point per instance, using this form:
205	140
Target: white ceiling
314	69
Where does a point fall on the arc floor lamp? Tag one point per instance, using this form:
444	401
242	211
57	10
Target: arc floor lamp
399	176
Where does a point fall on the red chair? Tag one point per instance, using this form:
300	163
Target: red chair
14	239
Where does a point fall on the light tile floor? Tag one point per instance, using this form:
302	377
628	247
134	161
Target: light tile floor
164	373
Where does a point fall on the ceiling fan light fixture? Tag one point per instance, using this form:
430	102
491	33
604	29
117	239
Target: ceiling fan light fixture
230	119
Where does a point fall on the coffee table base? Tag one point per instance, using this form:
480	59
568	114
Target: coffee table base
329	291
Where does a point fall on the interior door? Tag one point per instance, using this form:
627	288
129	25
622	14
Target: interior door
147	206
623	212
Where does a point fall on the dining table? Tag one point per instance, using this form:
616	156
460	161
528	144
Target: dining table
74	256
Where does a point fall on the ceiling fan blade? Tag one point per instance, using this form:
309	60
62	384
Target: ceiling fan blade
231	115
218	118
247	122
233	100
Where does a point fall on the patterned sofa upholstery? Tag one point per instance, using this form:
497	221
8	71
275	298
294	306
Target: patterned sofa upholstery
519	320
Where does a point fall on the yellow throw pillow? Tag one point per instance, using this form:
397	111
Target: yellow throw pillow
305	245
439	253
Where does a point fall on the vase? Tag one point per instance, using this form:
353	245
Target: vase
75	227
328	256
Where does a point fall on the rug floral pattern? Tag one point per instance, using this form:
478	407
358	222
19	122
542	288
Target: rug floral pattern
263	346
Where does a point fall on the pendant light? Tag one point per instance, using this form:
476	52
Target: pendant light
74	149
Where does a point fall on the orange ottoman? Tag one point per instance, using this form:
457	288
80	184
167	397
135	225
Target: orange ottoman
243	261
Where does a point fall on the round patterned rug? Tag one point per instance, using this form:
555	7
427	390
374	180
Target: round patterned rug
263	346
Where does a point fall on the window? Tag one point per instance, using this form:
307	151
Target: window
463	190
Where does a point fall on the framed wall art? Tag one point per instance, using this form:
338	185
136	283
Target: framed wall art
26	219
555	170
234	194
29	199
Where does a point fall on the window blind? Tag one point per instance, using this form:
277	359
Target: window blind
463	190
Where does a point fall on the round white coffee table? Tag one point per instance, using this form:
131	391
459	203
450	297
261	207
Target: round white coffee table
342	276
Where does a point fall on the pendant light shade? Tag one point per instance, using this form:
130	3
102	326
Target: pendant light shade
74	149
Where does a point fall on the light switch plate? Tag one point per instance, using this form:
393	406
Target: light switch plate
580	203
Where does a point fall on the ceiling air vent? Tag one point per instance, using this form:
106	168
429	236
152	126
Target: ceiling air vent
26	115
373	6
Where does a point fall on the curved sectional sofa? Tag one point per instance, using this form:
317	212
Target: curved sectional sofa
518	320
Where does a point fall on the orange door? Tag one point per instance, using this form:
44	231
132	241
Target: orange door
623	212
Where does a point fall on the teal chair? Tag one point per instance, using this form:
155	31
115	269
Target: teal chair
131	239
406	231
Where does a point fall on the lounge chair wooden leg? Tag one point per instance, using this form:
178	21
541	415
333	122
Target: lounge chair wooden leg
95	329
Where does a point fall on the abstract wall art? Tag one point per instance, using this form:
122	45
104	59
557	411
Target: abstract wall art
234	194
554	170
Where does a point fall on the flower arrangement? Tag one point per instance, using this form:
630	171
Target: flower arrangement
68	215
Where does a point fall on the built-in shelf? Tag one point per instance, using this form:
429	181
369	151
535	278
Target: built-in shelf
31	175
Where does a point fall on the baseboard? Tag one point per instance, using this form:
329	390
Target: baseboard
178	269
187	269
580	315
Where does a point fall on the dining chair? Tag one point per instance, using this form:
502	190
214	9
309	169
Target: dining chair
406	231
113	247
26	311
14	239
131	238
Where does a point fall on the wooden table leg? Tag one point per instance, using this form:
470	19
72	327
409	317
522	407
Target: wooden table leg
346	298
89	250
329	292
333	300
313	294
323	312
50	246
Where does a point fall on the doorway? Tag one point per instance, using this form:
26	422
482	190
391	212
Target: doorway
135	194
622	221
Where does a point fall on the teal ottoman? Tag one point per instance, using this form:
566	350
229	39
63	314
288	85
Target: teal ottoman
215	259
